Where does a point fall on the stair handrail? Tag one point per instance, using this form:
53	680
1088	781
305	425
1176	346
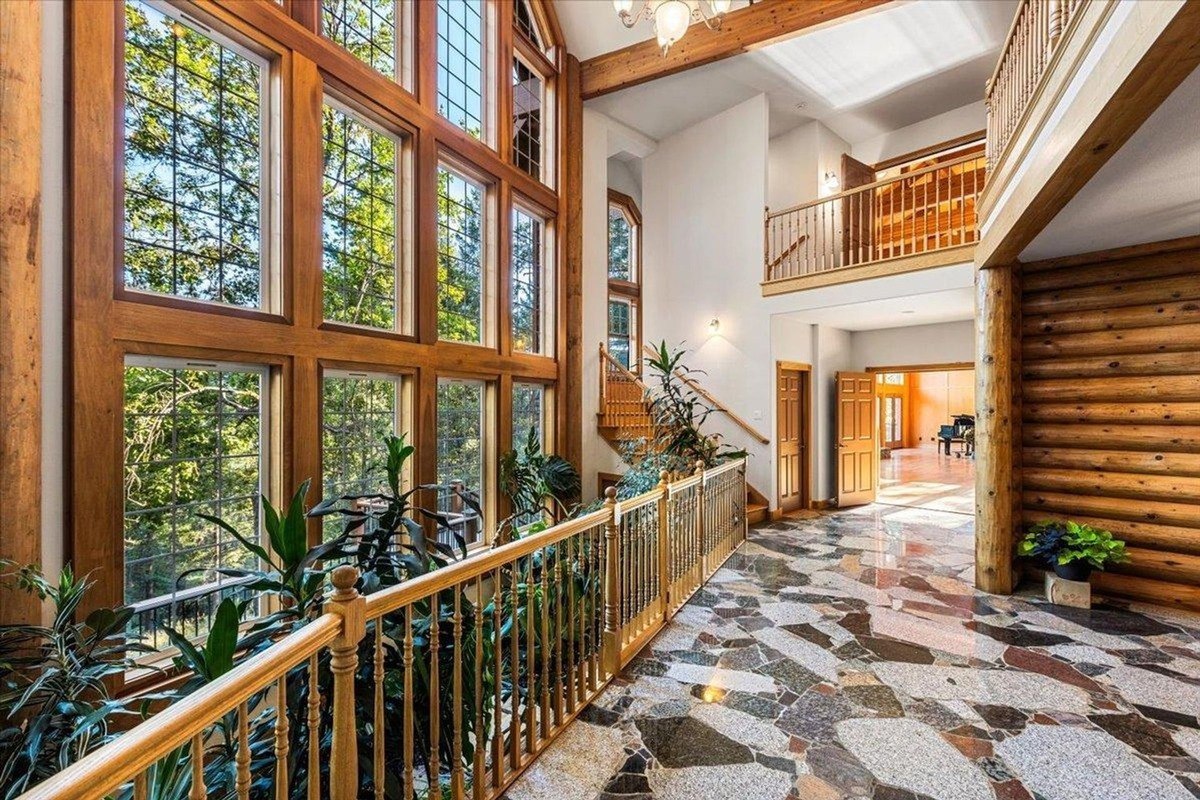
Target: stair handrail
716	404
787	251
621	369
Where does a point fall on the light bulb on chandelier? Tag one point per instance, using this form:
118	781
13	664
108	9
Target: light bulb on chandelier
671	18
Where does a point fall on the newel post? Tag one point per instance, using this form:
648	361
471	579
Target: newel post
612	587
664	550
351	607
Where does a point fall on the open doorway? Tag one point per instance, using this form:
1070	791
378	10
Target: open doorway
927	436
793	421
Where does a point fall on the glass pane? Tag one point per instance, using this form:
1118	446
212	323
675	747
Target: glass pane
459	53
618	318
460	258
527	413
526	24
620	240
357	412
460	426
367	28
527	119
193	167
193	442
359	222
526	282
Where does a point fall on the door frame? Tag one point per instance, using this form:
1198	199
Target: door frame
949	366
806	425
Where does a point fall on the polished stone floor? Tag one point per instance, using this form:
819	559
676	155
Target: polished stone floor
925	477
846	655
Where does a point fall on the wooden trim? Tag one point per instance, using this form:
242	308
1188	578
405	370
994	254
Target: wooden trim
630	291
806	390
931	150
962	254
569	339
1120	92
949	366
20	299
745	29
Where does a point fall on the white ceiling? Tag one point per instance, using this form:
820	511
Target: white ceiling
948	305
1148	191
862	76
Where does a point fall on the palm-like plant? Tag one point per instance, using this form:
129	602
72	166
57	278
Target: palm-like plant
538	486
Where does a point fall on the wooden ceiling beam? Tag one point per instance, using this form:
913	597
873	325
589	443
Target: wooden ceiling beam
745	29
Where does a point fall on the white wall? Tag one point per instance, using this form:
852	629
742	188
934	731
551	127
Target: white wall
943	343
797	163
623	178
702	223
950	125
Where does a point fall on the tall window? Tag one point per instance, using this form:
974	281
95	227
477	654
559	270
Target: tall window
357	411
360	208
460	60
367	28
528	292
528	94
624	280
460	258
461	406
526	24
528	412
194	140
193	445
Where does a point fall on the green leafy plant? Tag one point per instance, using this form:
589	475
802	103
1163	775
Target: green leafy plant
538	486
1062	543
53	693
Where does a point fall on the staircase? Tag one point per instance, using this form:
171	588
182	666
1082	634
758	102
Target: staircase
624	420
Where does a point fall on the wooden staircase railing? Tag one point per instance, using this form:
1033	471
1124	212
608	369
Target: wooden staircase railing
716	404
406	687
916	213
624	404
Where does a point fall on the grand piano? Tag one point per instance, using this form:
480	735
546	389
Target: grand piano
958	434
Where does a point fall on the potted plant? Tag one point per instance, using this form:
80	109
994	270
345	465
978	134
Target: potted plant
1072	549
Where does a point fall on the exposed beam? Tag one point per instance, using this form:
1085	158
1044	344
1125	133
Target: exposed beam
745	29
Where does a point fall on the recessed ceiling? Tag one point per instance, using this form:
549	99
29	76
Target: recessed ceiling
862	76
949	305
1149	191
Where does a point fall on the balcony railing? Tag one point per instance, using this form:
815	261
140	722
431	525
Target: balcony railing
919	212
446	686
1032	39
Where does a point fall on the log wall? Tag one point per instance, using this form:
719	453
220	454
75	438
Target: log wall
1110	390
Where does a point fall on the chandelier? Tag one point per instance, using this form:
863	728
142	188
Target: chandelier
671	18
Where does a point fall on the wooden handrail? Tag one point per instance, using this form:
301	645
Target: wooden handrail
621	368
637	570
793	247
916	173
717	404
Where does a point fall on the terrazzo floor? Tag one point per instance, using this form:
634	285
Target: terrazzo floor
847	655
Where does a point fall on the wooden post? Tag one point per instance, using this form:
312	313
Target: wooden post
664	551
612	564
702	562
996	307
350	606
20	298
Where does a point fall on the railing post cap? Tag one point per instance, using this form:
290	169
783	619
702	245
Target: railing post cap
344	578
664	476
610	495
699	466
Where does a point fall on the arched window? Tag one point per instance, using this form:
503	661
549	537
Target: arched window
624	280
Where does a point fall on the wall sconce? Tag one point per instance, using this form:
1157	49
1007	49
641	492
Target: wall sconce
714	326
831	181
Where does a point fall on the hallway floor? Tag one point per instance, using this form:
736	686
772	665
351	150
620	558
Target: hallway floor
848	656
924	477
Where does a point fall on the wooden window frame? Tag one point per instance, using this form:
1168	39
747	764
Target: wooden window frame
403	54
628	291
106	323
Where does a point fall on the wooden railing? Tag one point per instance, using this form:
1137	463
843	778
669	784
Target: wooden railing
445	686
716	404
624	404
918	212
1033	37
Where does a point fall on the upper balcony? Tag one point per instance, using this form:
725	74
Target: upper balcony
921	218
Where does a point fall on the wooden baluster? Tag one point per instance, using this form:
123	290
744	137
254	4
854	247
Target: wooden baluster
572	671
242	758
531	697
498	670
198	790
480	743
514	645
378	719
435	696
407	664
545	648
560	592
141	789
282	743
457	776
314	731
345	602
612	619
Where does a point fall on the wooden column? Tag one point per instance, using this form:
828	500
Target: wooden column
20	295
569	402
997	305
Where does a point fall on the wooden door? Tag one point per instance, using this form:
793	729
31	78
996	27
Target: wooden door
792	438
857	217
856	422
